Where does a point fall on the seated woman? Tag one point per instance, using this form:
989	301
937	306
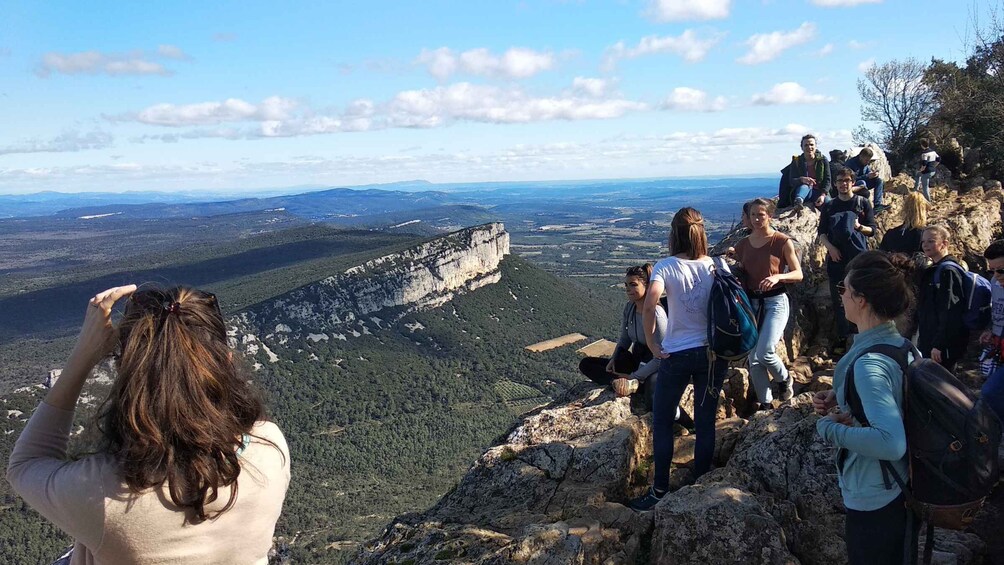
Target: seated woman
770	264
632	368
875	291
905	238
188	469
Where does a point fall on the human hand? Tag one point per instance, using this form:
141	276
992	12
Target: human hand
857	225
986	337
872	174
769	283
834	253
658	353
610	365
809	181
97	335
936	355
823	401
820	201
840	418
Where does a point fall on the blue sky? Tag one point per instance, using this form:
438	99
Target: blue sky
232	96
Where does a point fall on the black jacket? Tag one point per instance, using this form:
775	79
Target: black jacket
940	312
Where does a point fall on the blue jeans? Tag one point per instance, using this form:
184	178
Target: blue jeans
924	184
808	194
873	186
675	373
765	365
993	392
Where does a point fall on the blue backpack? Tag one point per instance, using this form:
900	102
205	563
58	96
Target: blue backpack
732	327
976	290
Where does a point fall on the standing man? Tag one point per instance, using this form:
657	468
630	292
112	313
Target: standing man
868	180
844	224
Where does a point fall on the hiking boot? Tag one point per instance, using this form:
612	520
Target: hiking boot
786	389
646	502
798	204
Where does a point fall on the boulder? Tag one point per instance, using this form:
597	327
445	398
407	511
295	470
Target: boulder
716	523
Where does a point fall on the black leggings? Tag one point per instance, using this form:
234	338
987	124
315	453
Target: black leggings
877	537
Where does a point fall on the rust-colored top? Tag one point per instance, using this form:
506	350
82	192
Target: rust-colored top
761	262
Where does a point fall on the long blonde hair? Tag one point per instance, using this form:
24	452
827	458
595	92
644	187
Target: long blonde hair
915	210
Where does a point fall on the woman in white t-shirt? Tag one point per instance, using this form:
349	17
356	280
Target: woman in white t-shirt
686	278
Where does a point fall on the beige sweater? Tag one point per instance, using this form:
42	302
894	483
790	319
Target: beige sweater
87	500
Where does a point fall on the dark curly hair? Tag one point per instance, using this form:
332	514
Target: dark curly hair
883	279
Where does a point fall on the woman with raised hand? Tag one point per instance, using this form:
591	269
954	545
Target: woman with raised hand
686	277
769	264
188	469
875	290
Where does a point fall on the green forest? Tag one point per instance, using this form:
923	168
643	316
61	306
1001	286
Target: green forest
386	423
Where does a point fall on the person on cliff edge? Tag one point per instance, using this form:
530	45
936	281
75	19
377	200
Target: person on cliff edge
188	469
874	292
632	368
686	277
809	175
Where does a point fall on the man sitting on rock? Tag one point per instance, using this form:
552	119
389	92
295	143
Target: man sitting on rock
844	223
868	180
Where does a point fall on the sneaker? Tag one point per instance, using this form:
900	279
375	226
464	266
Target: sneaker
786	389
646	502
797	205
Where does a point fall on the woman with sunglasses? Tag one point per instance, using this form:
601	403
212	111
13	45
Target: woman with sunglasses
188	469
875	290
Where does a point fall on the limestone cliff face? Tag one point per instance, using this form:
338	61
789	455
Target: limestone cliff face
380	291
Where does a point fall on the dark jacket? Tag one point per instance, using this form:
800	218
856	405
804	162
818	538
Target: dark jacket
836	222
940	312
860	169
822	175
902	239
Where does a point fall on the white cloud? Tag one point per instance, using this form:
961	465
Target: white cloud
113	64
693	100
764	47
825	50
855	44
843	3
206	113
789	93
224	37
588	99
595	87
479	103
172	52
66	142
689	45
863	66
680	10
517	62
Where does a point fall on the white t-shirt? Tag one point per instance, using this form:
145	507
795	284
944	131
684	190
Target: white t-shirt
997	308
688	288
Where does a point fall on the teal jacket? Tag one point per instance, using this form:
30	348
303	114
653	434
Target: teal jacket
879	381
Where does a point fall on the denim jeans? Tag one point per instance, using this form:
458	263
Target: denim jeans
808	194
924	184
993	392
874	186
765	365
675	373
839	318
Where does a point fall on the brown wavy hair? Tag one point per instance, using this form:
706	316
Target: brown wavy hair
179	408
883	279
686	234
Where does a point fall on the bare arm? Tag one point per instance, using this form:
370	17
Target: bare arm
794	273
652	295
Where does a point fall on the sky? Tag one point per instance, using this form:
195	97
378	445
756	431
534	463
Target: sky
243	96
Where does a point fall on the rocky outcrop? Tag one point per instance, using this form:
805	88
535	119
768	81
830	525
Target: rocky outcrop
554	489
379	291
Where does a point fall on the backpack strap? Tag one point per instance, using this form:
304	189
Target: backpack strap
899	354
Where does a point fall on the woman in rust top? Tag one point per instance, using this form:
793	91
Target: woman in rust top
769	263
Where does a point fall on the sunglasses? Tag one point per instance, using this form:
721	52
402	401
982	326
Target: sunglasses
841	288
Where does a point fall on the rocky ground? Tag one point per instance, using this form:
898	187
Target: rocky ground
553	491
